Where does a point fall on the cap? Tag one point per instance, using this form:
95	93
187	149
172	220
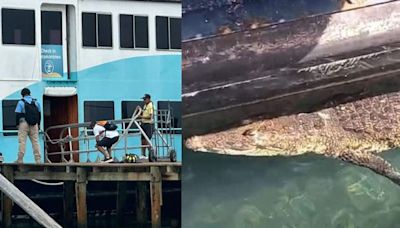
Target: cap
146	96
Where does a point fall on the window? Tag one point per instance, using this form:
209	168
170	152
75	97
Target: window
126	31
98	110
133	31
128	107
18	26
89	29
168	33
162	32
142	32
104	30
175	35
175	108
9	116
96	30
51	27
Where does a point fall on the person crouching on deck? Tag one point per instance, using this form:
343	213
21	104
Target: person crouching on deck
28	121
147	122
104	138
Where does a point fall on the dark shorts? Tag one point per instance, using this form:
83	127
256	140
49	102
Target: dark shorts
148	129
107	142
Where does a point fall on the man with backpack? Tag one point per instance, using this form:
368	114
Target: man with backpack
28	121
106	136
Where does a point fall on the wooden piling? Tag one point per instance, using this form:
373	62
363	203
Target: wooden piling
121	201
68	202
80	191
156	196
141	201
7	202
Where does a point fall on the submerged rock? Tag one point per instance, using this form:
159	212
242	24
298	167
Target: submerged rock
249	216
343	218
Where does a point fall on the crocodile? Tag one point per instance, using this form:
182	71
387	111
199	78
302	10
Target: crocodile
354	132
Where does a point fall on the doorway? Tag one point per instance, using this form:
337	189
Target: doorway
58	111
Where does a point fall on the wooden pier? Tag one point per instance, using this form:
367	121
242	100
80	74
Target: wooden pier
76	176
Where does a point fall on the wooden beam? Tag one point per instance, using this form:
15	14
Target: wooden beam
121	201
7	203
48	176
118	176
156	196
80	191
141	202
68	202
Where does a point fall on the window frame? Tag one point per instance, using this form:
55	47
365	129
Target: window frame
176	130
134	32
97	30
169	33
133	128
41	24
34	27
84	107
5	132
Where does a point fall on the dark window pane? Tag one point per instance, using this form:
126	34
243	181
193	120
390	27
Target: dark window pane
51	27
175	108
175	24
104	29
128	107
89	29
9	115
162	32
126	31
98	110
141	32
18	26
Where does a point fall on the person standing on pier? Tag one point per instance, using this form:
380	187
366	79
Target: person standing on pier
28	121
147	122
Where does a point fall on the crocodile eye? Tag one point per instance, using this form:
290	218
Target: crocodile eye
249	132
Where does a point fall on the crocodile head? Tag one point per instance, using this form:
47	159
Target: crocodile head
265	138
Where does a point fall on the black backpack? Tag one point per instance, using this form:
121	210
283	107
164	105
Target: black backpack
32	114
110	126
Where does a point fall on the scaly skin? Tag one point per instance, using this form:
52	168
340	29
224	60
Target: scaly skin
353	132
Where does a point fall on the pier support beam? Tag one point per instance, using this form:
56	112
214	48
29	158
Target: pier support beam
121	201
80	191
156	196
141	202
68	202
7	202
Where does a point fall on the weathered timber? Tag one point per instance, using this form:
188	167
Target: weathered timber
80	191
156	197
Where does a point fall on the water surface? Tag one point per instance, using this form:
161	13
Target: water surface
304	191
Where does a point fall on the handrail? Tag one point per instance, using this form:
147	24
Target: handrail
162	118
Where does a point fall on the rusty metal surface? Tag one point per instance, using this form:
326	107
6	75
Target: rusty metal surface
230	74
203	18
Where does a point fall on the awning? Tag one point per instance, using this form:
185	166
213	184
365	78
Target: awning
60	91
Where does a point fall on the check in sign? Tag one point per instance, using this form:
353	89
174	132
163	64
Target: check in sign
52	61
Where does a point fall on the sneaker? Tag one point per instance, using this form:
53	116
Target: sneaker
107	160
143	157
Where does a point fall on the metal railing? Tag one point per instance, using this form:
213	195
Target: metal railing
161	146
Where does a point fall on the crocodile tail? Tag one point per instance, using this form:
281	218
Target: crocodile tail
373	162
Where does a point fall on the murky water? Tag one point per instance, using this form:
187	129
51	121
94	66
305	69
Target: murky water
306	191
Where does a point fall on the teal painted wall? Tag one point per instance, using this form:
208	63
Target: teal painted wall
121	80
